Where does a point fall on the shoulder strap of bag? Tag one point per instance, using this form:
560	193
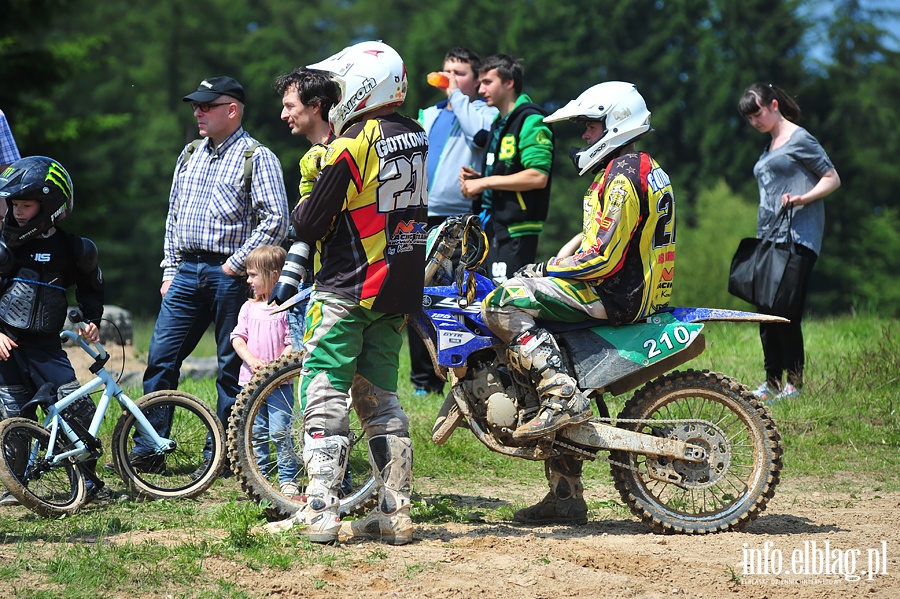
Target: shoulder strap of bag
248	160
248	165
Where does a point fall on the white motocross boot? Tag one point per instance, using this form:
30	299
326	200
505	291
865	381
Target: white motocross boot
319	519
535	353
392	459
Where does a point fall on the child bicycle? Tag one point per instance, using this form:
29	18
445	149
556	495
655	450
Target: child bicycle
41	465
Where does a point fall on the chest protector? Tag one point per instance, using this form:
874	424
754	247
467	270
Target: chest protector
30	304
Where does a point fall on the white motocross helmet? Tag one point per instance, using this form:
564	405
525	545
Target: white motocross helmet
621	109
370	74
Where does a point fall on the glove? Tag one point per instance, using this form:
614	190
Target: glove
295	272
310	166
531	271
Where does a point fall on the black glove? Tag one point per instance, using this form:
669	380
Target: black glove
297	270
531	271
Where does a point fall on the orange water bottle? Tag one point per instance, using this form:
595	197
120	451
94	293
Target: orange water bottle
438	80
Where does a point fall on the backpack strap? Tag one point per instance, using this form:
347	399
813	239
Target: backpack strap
192	147
248	165
248	160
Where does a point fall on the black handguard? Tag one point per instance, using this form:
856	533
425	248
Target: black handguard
297	269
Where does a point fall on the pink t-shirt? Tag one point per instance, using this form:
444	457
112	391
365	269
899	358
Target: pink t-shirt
266	334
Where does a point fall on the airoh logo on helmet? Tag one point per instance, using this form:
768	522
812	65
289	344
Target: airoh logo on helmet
349	106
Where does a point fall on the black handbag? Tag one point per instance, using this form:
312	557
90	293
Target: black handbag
769	275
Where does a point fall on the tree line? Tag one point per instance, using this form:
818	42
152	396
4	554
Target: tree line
99	86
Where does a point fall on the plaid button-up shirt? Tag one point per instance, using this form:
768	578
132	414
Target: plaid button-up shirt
209	210
9	152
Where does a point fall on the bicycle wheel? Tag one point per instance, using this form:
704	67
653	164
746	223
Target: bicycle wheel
191	467
45	489
256	458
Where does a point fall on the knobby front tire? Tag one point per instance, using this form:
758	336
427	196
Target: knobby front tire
183	472
46	490
729	489
254	459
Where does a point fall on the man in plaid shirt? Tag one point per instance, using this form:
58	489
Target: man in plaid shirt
212	225
9	152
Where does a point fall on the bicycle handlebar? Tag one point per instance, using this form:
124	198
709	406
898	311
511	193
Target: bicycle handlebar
77	317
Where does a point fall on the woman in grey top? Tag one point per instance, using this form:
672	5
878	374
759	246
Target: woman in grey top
795	172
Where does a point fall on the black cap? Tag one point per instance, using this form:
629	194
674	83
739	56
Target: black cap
212	88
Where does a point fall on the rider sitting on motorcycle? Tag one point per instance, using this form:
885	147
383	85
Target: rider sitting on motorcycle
621	271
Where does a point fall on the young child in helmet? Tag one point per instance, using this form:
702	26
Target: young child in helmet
39	261
260	337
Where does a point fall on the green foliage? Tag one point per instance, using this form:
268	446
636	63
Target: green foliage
704	249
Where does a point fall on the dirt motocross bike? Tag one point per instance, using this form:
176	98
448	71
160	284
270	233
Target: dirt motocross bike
691	452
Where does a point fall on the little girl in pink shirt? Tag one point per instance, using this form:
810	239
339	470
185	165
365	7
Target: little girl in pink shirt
260	337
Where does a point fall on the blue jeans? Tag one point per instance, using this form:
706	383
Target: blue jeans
200	294
296	318
31	369
273	423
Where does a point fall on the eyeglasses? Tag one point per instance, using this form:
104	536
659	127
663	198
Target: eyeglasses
207	106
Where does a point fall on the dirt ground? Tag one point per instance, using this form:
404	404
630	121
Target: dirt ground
827	543
809	543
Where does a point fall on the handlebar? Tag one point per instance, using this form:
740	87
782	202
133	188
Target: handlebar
76	317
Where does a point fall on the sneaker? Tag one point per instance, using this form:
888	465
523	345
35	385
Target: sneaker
789	392
290	490
764	393
393	529
8	499
420	392
147	464
553	510
201	469
97	494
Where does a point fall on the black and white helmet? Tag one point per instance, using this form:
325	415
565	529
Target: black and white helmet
620	108
40	179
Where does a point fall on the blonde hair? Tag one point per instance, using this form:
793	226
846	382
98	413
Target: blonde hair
267	261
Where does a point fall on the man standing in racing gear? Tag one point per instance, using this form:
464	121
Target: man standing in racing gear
368	210
622	271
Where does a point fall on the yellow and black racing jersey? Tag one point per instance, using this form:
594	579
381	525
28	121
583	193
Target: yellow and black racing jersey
629	238
369	210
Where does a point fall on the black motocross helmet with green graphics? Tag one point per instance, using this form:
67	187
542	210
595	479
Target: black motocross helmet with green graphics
40	179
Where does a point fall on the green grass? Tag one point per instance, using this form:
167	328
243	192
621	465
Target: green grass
841	435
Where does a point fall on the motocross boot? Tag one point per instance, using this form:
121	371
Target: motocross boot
392	459
535	352
564	504
325	459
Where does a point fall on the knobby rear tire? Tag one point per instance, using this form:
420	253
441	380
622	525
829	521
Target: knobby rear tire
261	483
729	490
185	471
47	491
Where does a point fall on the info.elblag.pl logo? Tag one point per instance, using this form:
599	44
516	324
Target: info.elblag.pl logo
814	559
